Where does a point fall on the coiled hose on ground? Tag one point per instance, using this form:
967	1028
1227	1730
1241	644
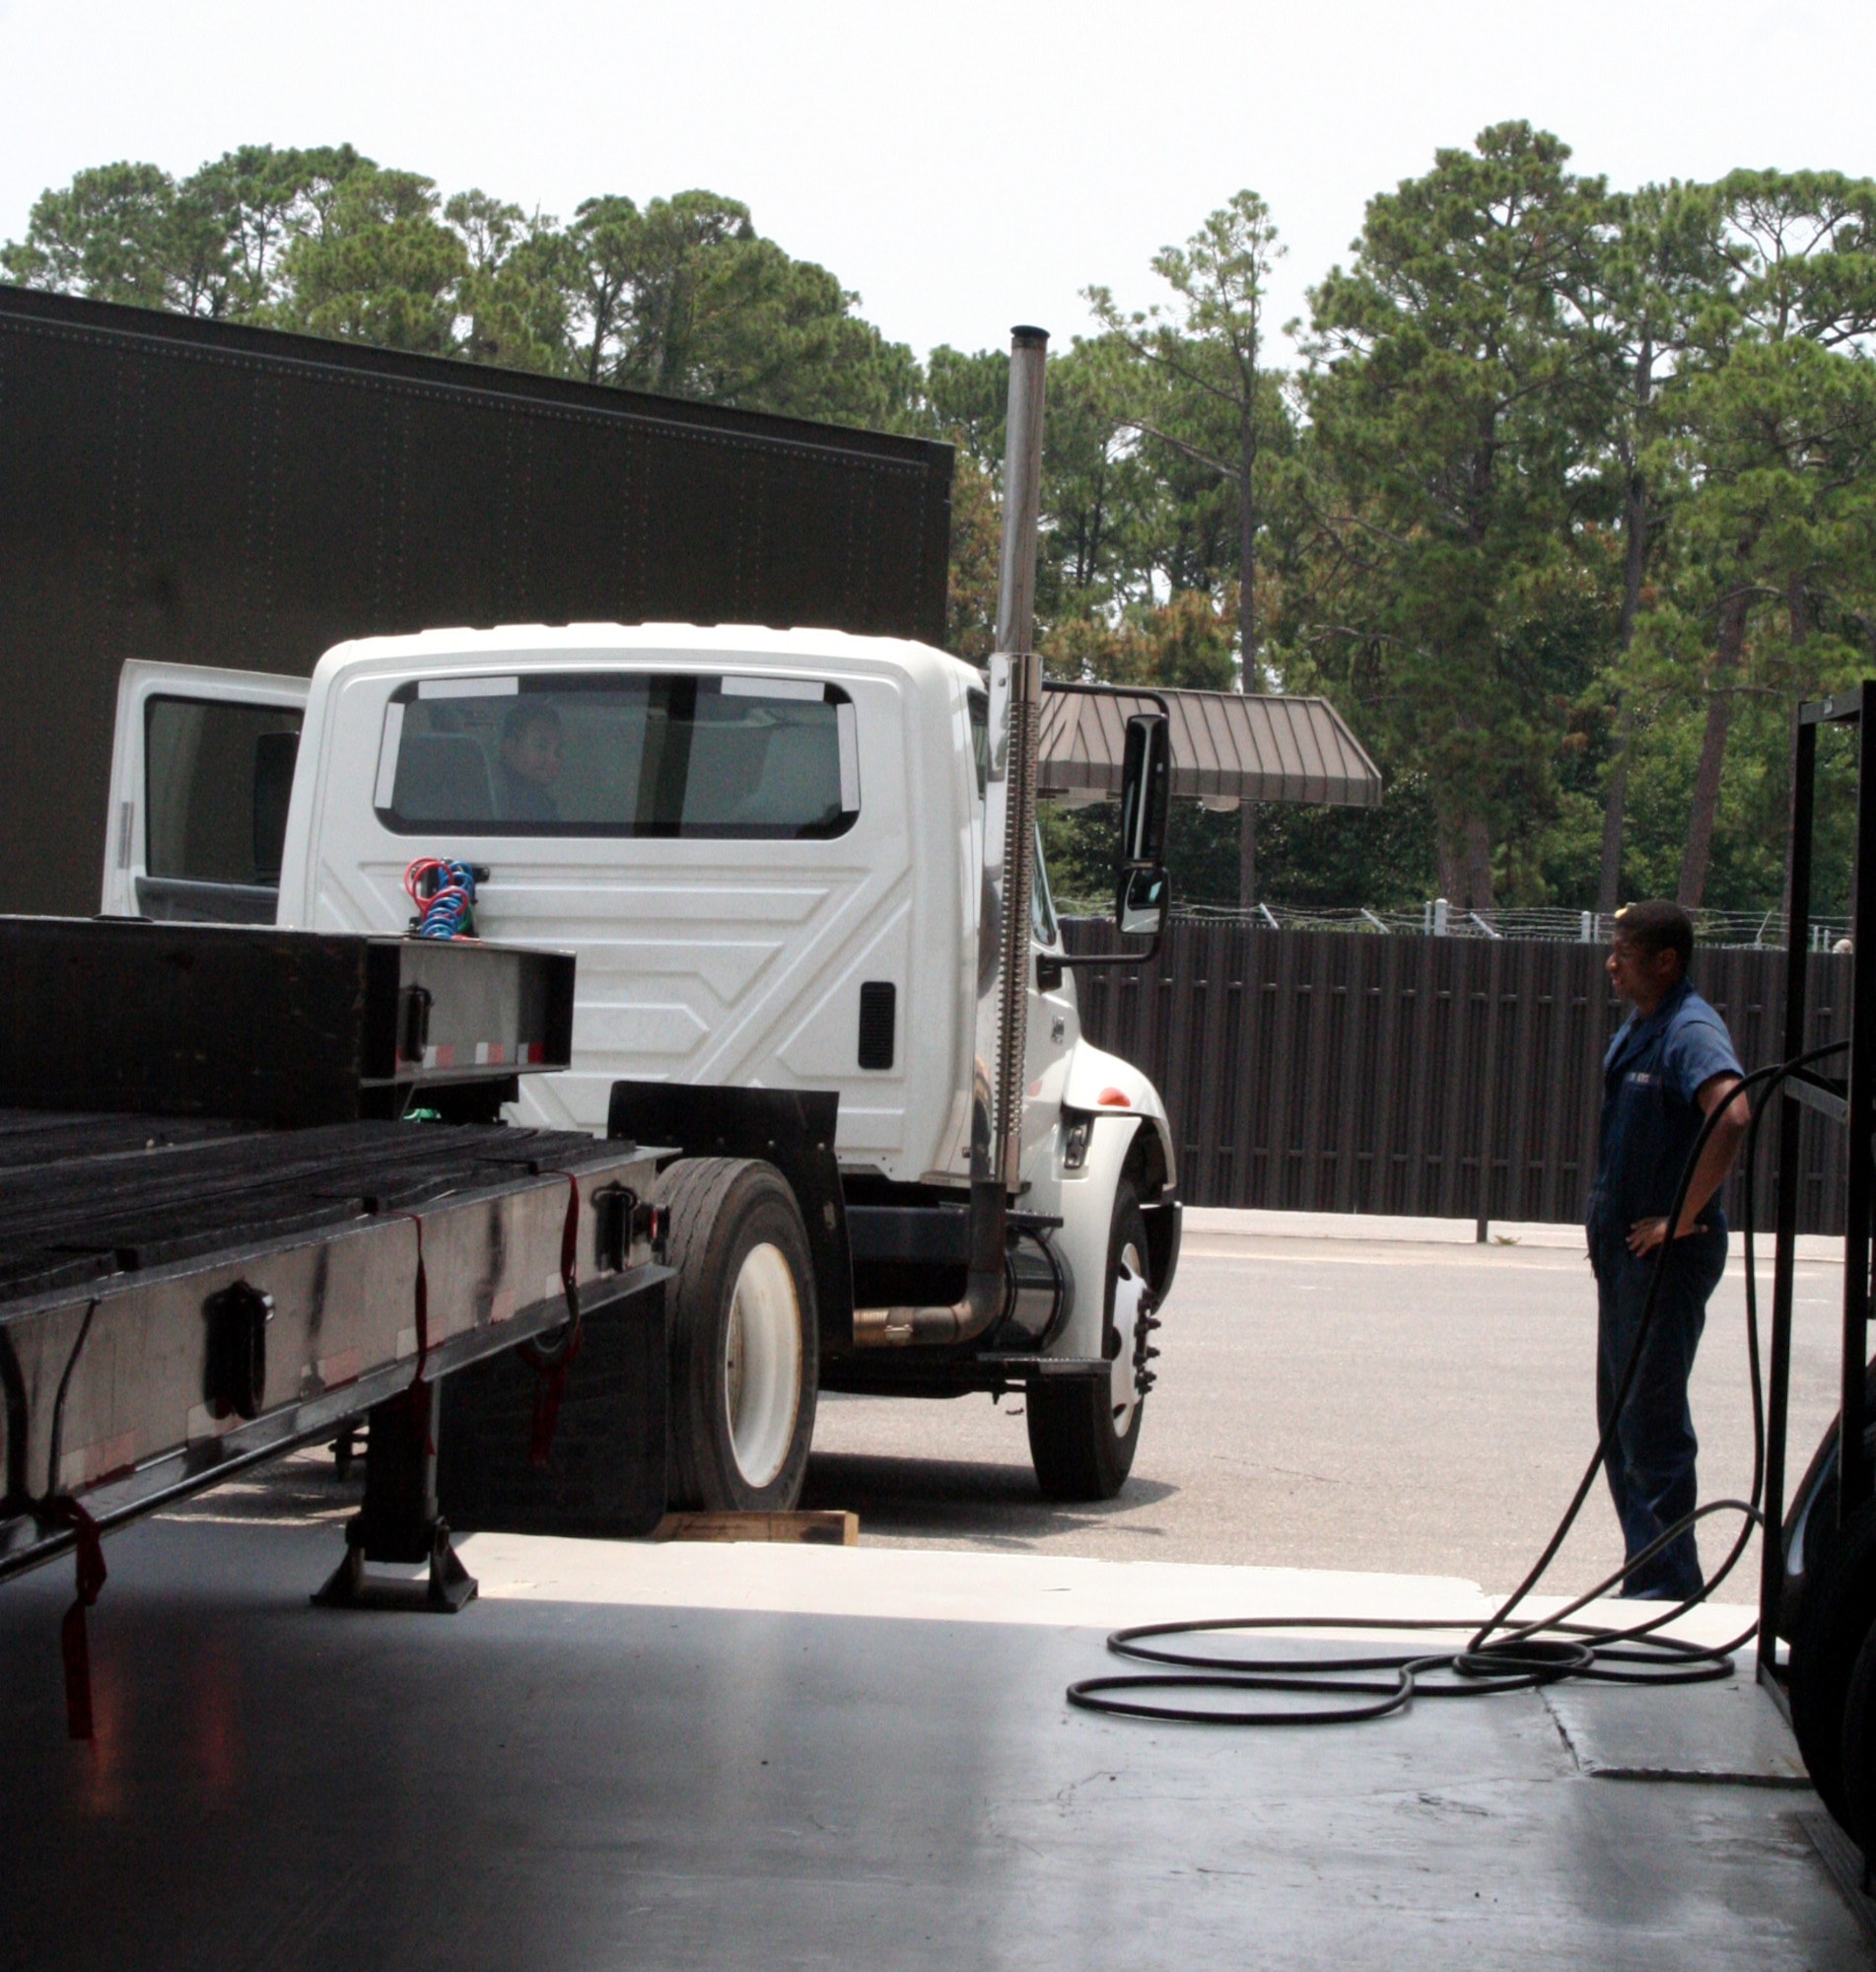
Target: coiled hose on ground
1499	1654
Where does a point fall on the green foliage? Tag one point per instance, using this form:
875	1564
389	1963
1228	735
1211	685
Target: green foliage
682	297
687	299
116	233
1187	380
976	550
1454	406
1315	857
1311	858
1185	643
1565	470
378	266
515	293
967	397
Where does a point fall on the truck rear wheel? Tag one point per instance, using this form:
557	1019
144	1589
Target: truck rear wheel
1838	1615
745	1339
1082	1434
1856	1747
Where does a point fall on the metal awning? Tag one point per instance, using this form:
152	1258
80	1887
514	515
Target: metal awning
1228	746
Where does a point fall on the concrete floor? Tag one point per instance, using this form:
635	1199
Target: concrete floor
770	1757
872	1765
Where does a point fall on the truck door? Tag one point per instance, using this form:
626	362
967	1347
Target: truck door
201	769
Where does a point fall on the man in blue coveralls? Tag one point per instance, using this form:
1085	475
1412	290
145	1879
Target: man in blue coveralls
1670	1066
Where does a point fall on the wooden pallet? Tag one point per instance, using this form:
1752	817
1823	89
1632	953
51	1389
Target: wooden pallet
816	1529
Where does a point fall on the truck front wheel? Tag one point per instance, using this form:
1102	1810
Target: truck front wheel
744	1337
1082	1434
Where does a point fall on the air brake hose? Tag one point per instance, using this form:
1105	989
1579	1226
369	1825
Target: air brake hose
443	893
1500	1655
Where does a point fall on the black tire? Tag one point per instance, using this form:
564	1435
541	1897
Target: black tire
1857	1747
1079	1453
1810	1523
1840	1607
723	1210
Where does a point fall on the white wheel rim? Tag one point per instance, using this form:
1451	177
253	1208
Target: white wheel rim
762	1365
1129	1289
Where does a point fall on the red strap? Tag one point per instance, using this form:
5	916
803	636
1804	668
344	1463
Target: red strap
569	1245
551	1378
549	1387
74	1642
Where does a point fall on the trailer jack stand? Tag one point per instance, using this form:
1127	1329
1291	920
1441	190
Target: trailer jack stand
447	1588
398	1521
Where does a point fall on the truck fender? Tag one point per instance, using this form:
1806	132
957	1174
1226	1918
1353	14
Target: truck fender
790	1129
1087	1200
1094	1074
1087	1216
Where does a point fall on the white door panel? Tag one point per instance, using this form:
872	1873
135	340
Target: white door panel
618	1032
570	1101
155	794
823	1043
726	969
823	1050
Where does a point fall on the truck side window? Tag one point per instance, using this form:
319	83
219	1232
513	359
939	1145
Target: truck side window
979	704
215	777
621	753
1041	902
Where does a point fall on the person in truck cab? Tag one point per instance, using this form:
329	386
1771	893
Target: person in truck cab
531	761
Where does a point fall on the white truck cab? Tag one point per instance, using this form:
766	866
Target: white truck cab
766	849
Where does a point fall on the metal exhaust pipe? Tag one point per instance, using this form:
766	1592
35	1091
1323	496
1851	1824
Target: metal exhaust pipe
1010	827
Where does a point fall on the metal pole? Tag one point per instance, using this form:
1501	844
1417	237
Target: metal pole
1486	1132
1852	1467
1804	755
1021	679
1022	490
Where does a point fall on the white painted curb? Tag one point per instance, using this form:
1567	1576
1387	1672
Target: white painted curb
1214	1220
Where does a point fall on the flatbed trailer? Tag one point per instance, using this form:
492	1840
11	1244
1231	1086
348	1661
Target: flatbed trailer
183	1295
177	1303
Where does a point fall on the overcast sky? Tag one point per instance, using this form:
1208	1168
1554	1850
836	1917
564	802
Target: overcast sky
963	165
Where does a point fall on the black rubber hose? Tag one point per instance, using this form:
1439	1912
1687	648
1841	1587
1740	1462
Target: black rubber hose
1499	1655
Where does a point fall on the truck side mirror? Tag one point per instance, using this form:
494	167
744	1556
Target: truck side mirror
1145	789
1142	903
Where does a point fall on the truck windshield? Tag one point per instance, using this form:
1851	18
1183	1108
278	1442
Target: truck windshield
621	753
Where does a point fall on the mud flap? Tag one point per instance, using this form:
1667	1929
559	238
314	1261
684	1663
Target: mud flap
604	1474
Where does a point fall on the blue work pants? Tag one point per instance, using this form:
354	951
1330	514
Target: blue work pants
1650	1457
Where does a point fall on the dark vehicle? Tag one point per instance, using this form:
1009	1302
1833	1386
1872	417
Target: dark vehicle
195	492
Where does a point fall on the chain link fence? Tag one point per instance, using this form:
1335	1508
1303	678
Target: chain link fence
1436	918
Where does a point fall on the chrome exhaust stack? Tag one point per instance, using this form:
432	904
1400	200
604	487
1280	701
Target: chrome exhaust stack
1008	876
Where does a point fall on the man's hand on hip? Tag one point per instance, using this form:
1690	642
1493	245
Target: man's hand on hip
1646	1235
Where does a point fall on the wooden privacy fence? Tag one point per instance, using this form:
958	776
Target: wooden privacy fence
1323	1071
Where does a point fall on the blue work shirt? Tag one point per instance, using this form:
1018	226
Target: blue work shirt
1649	1117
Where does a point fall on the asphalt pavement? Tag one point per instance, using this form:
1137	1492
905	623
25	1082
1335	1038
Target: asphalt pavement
1344	1404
